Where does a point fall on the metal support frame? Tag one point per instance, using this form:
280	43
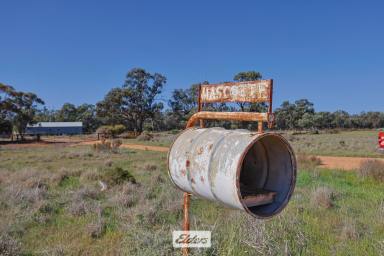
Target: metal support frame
200	116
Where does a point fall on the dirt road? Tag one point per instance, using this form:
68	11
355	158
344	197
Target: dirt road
132	146
145	147
343	163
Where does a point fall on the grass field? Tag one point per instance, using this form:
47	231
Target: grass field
344	143
51	203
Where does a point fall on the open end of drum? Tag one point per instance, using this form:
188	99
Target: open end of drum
267	176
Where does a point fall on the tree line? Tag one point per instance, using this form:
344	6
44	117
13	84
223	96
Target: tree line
17	109
136	105
301	114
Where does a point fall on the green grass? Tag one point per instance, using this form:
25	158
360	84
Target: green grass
68	177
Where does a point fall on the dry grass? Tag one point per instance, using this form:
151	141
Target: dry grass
45	213
83	201
380	213
97	228
56	250
155	138
115	144
150	167
9	246
349	230
78	155
129	135
87	192
18	194
256	235
91	174
323	197
127	195
78	208
373	169
108	162
107	146
145	136
308	162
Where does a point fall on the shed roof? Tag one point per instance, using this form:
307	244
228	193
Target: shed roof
56	124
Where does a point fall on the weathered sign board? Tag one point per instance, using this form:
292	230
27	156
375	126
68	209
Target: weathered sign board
250	91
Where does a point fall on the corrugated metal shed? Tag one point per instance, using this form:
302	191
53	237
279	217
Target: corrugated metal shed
56	124
55	128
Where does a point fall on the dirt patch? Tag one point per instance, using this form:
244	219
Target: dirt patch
145	147
343	163
133	146
46	141
32	144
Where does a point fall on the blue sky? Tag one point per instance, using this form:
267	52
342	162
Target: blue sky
331	52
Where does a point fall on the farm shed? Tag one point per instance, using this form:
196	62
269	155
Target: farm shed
55	128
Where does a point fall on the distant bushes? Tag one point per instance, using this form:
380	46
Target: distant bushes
373	169
129	135
107	146
111	130
301	114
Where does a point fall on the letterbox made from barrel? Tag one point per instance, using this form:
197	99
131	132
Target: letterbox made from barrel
255	172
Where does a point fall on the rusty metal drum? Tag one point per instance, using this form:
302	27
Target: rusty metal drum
255	172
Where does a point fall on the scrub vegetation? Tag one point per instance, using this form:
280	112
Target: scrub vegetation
359	143
356	143
61	200
373	169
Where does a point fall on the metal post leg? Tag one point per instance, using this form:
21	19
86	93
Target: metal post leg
260	127
187	197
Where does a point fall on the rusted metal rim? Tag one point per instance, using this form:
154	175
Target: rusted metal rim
169	152
258	137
